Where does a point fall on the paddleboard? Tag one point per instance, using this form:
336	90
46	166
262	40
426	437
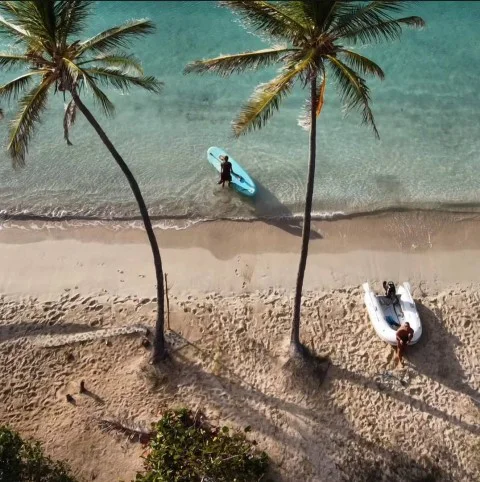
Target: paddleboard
242	183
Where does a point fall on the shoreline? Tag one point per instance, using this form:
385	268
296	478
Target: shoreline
429	250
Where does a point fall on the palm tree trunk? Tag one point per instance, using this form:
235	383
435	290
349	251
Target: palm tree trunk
159	349
295	345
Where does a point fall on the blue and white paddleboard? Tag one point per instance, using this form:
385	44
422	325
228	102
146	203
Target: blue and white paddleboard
243	182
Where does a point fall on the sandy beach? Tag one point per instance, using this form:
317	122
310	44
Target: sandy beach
76	301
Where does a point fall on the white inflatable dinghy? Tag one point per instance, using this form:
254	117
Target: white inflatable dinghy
386	314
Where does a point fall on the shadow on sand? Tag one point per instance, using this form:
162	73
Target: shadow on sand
300	423
435	354
266	203
25	329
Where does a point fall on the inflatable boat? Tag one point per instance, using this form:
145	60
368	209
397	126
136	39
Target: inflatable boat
387	313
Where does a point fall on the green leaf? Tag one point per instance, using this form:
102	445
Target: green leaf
353	90
32	105
126	62
122	81
373	22
226	65
283	20
8	60
16	86
320	14
15	32
267	97
71	17
362	64
117	37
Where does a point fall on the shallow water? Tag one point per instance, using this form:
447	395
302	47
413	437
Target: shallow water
427	111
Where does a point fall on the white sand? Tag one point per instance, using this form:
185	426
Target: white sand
369	420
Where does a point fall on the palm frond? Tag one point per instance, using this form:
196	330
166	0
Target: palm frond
45	18
226	65
389	30
353	91
37	19
373	21
72	17
362	64
305	119
321	14
83	78
15	32
279	20
99	96
18	85
365	13
263	103
117	37
74	71
10	8
69	119
122	81
126	62
321	95
8	60
32	105
267	97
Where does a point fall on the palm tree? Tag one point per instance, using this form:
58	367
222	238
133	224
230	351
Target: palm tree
45	31
314	33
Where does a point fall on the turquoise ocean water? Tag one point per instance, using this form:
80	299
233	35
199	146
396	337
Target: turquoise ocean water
427	111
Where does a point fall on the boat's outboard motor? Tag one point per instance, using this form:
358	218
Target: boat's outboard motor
385	287
390	290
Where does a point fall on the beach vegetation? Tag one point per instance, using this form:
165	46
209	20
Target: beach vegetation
186	447
315	38
44	39
24	461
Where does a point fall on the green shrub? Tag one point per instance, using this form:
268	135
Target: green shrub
24	461
187	449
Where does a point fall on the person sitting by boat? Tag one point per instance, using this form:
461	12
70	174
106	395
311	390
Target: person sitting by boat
226	172
404	337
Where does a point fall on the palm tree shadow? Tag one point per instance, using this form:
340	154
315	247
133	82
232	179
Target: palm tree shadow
266	204
435	354
27	329
246	405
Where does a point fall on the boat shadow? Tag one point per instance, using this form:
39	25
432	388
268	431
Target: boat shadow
266	203
435	353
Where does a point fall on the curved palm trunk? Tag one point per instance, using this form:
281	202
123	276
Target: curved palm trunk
159	350
295	344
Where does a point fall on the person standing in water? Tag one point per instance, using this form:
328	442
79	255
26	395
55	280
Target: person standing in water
226	172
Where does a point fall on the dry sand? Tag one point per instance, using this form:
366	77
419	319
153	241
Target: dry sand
69	295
